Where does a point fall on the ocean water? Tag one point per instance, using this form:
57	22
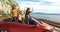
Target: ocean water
52	17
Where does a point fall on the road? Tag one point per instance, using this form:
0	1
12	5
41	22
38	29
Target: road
56	29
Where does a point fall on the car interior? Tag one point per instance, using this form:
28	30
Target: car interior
29	21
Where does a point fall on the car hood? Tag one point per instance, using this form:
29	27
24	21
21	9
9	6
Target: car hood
45	25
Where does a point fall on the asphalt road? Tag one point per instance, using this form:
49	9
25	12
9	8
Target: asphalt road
56	29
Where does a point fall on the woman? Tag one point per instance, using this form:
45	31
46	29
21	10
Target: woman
27	15
19	16
13	13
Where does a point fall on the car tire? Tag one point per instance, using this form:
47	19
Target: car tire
4	30
46	31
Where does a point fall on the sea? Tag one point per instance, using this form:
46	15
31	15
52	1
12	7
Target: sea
51	17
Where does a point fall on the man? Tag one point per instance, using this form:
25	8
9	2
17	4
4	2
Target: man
13	13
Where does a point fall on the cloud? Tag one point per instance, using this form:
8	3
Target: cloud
29	0
39	7
46	3
48	6
40	1
52	0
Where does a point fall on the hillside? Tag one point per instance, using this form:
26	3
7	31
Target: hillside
5	5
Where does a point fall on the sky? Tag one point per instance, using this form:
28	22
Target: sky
42	6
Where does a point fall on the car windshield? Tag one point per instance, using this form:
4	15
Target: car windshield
41	22
33	23
36	22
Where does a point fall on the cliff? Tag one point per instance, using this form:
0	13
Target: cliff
5	5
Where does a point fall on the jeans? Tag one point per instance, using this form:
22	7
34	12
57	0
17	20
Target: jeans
15	19
28	18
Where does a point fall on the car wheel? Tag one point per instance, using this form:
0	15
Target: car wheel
4	30
46	31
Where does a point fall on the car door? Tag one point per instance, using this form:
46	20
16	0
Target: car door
21	27
34	28
27	28
31	27
16	27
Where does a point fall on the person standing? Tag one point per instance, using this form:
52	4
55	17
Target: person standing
27	15
19	16
13	13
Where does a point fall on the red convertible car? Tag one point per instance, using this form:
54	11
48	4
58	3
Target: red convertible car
32	25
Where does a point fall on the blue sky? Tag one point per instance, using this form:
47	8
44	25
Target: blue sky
44	6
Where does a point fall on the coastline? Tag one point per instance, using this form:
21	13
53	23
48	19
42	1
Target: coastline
47	21
52	23
54	18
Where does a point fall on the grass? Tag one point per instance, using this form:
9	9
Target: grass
5	14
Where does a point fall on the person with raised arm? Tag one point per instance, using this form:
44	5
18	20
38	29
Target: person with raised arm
27	15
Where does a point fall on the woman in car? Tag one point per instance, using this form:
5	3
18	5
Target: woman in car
27	15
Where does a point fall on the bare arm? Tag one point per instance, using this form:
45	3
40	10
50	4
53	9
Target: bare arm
11	13
32	10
